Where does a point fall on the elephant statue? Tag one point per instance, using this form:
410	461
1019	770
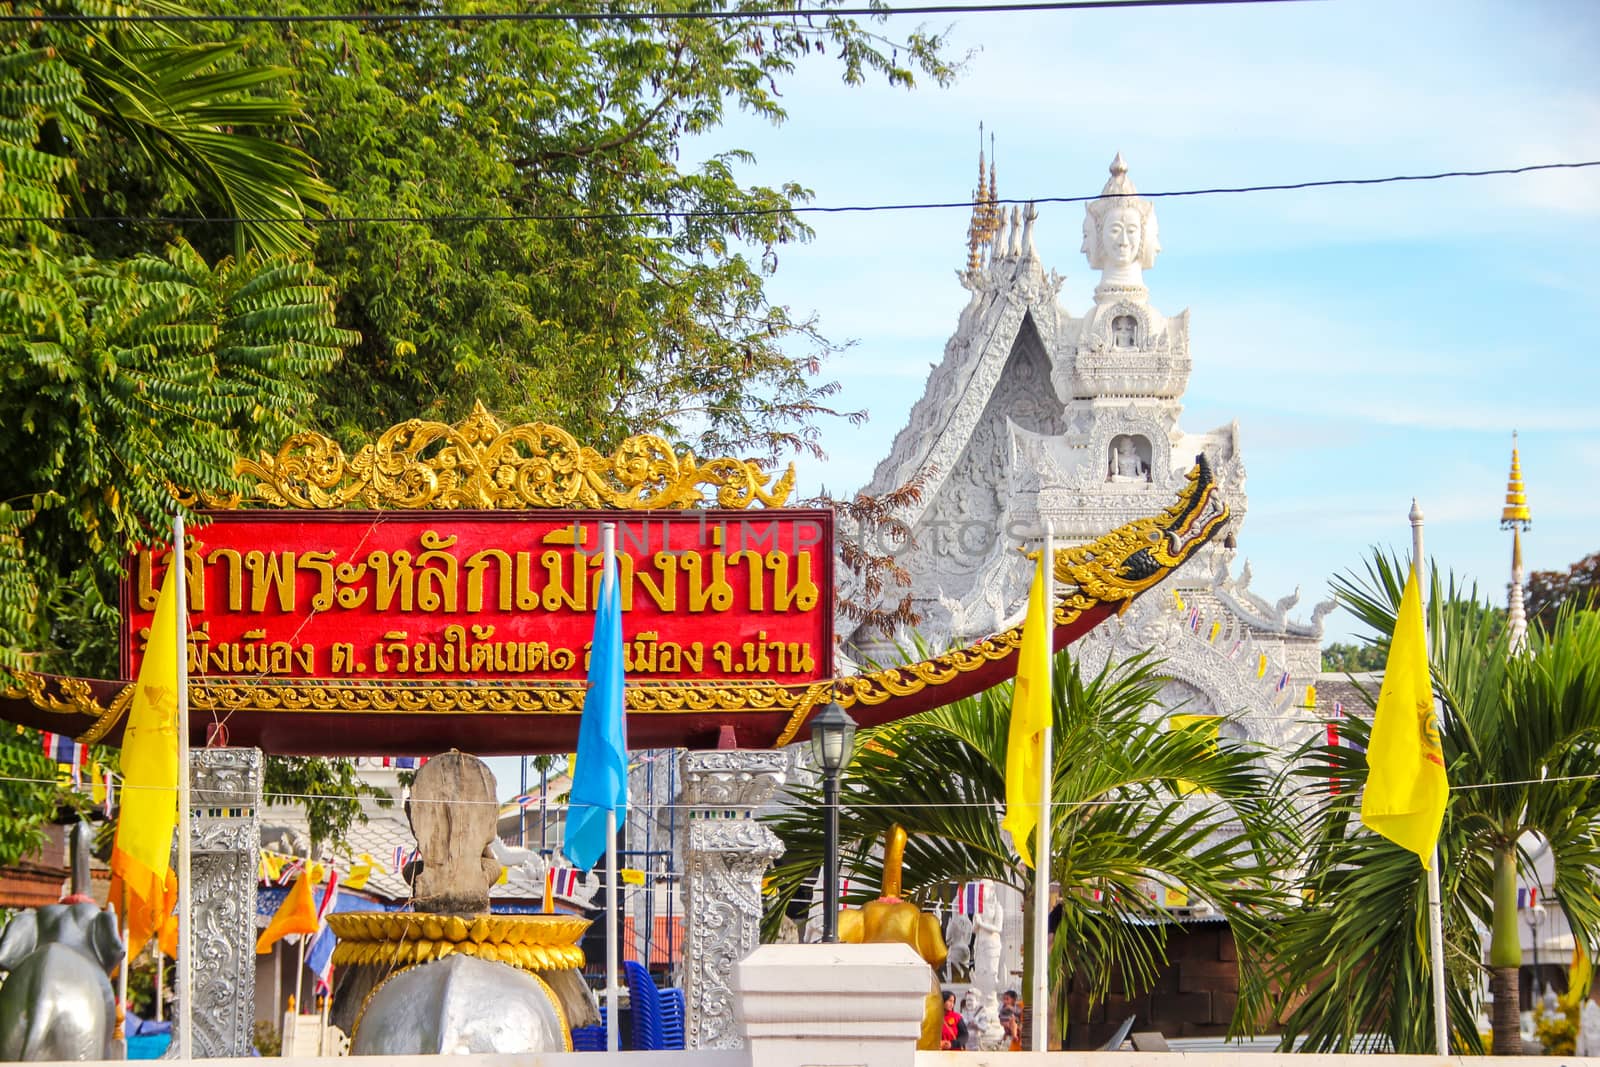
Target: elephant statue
460	1005
57	1003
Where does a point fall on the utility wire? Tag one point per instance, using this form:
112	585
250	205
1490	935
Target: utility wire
393	804
367	17
799	209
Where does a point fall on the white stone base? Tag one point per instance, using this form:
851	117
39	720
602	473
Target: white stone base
832	1005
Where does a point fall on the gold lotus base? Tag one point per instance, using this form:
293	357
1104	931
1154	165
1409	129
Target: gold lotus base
404	938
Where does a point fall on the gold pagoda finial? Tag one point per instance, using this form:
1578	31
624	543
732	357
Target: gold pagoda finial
1515	516
985	215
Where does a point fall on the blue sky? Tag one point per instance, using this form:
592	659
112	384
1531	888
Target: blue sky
1374	343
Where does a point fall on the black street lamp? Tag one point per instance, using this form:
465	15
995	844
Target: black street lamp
832	735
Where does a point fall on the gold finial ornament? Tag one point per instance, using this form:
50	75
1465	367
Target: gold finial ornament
482	463
1515	515
985	211
1516	518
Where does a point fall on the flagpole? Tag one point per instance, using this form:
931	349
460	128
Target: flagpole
183	1010
300	968
122	980
1039	995
608	549
1441	1022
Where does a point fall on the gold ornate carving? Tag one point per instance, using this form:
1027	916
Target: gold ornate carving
1112	569
402	939
496	698
398	941
482	463
69	696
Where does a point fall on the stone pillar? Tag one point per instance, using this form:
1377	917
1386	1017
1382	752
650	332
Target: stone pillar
225	845
833	1005
726	856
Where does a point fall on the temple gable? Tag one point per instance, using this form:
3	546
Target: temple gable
1036	416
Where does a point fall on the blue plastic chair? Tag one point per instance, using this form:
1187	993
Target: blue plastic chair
645	1001
591	1038
672	1011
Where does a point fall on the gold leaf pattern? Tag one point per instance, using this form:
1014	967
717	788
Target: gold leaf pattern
480	463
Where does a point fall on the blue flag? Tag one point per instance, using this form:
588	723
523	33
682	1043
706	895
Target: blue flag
600	781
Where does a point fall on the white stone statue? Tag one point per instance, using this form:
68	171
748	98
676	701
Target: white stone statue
984	1033
1124	330
1119	235
958	939
1589	1030
986	946
1126	463
524	859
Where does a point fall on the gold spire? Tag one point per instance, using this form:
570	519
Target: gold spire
985	215
1515	516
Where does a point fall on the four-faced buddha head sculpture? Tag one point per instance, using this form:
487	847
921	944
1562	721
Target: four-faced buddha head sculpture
1119	232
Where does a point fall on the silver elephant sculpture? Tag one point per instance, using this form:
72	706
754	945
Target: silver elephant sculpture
57	1003
459	1005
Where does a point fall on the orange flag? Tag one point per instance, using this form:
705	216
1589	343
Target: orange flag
296	915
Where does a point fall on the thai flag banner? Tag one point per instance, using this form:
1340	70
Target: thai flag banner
969	898
319	953
290	871
61	748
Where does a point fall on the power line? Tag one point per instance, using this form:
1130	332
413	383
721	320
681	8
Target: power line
845	802
798	209
368	17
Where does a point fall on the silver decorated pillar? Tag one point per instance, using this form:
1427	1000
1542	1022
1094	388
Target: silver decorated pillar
727	855
225	838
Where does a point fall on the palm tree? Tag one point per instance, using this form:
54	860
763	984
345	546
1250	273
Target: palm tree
1521	732
1136	805
157	117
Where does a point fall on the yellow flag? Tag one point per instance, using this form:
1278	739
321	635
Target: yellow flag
1030	718
296	915
141	854
1209	727
1406	786
1580	975
630	876
360	871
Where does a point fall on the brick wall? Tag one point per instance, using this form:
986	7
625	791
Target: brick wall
1193	996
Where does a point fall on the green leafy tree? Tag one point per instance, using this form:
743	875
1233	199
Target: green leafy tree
330	791
1136	806
1521	733
123	376
597	315
1550	591
1351	658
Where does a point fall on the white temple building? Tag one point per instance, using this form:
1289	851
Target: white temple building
1037	415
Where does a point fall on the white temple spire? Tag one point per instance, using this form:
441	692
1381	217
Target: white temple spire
1516	518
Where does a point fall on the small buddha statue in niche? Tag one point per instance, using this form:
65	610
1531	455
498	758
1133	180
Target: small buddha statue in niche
1124	332
1126	463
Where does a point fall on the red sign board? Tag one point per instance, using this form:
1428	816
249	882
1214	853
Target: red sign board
492	595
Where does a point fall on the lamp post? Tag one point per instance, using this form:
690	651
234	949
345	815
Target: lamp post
1535	916
832	734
